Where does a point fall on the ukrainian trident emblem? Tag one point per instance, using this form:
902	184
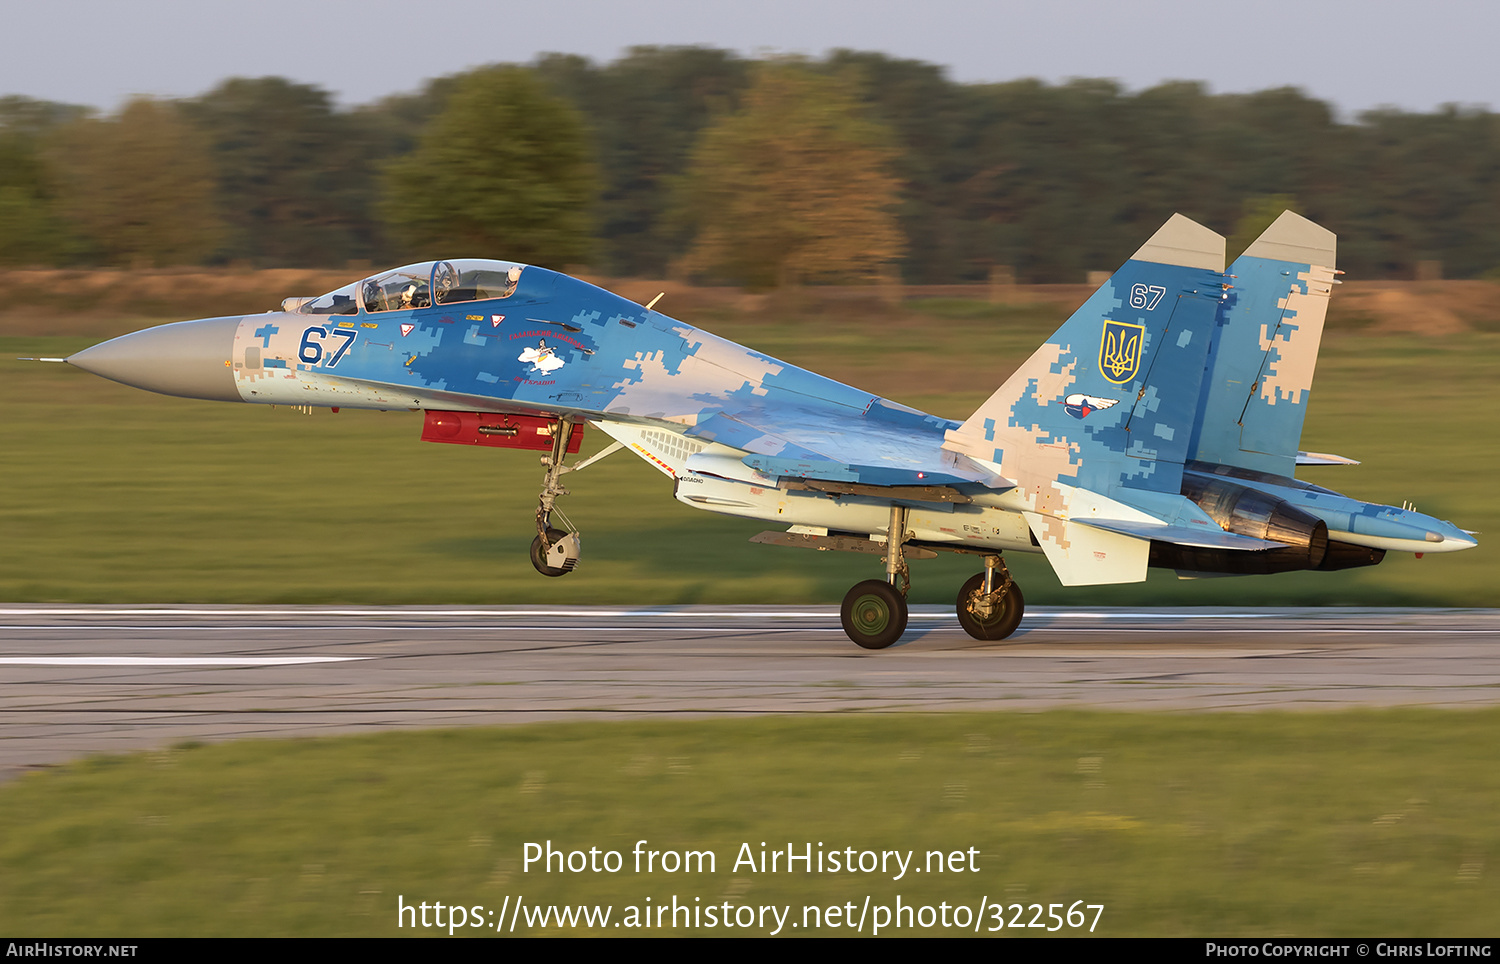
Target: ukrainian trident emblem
1120	351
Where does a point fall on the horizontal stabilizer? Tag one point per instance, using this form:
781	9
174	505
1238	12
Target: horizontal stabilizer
1207	538
1323	458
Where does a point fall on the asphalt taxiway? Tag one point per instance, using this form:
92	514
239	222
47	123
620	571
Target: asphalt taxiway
109	679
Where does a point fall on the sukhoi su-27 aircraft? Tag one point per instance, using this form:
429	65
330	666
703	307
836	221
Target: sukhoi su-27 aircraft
1159	426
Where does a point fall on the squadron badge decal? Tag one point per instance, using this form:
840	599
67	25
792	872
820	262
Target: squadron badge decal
1082	406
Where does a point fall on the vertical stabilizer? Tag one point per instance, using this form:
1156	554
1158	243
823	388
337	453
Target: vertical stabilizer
1261	363
1108	403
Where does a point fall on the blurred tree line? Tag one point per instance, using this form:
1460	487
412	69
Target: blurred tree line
697	162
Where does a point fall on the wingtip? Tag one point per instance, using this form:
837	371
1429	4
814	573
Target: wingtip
1291	237
1183	241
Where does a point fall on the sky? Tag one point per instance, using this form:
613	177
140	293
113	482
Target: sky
1355	54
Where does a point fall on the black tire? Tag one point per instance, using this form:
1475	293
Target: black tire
874	614
539	557
998	626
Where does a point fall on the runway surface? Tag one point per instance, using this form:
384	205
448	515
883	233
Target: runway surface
80	680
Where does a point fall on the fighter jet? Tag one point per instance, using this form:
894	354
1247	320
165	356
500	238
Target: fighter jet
1159	426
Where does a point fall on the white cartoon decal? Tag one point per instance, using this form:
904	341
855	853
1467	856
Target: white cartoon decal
543	359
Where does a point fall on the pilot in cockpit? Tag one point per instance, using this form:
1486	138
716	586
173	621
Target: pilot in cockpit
414	296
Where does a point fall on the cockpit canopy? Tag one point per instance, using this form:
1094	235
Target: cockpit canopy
420	286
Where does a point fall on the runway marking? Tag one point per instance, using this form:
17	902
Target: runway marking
448	628
417	613
1025	629
592	612
173	660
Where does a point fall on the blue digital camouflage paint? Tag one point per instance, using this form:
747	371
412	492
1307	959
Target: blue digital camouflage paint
1159	426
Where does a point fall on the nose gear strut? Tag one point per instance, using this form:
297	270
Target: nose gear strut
554	552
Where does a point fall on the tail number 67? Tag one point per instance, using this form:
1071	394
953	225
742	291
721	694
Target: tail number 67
1145	296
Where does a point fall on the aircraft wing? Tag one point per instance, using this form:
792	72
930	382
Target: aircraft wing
884	445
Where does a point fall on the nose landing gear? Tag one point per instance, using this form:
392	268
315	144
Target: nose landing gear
554	552
558	555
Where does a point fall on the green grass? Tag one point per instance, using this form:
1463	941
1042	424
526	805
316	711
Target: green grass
1273	824
1358	823
118	495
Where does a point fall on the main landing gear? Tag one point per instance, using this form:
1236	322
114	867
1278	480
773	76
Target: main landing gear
990	604
874	613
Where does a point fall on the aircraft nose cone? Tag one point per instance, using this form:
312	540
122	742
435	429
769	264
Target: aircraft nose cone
1447	537
1458	538
189	359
